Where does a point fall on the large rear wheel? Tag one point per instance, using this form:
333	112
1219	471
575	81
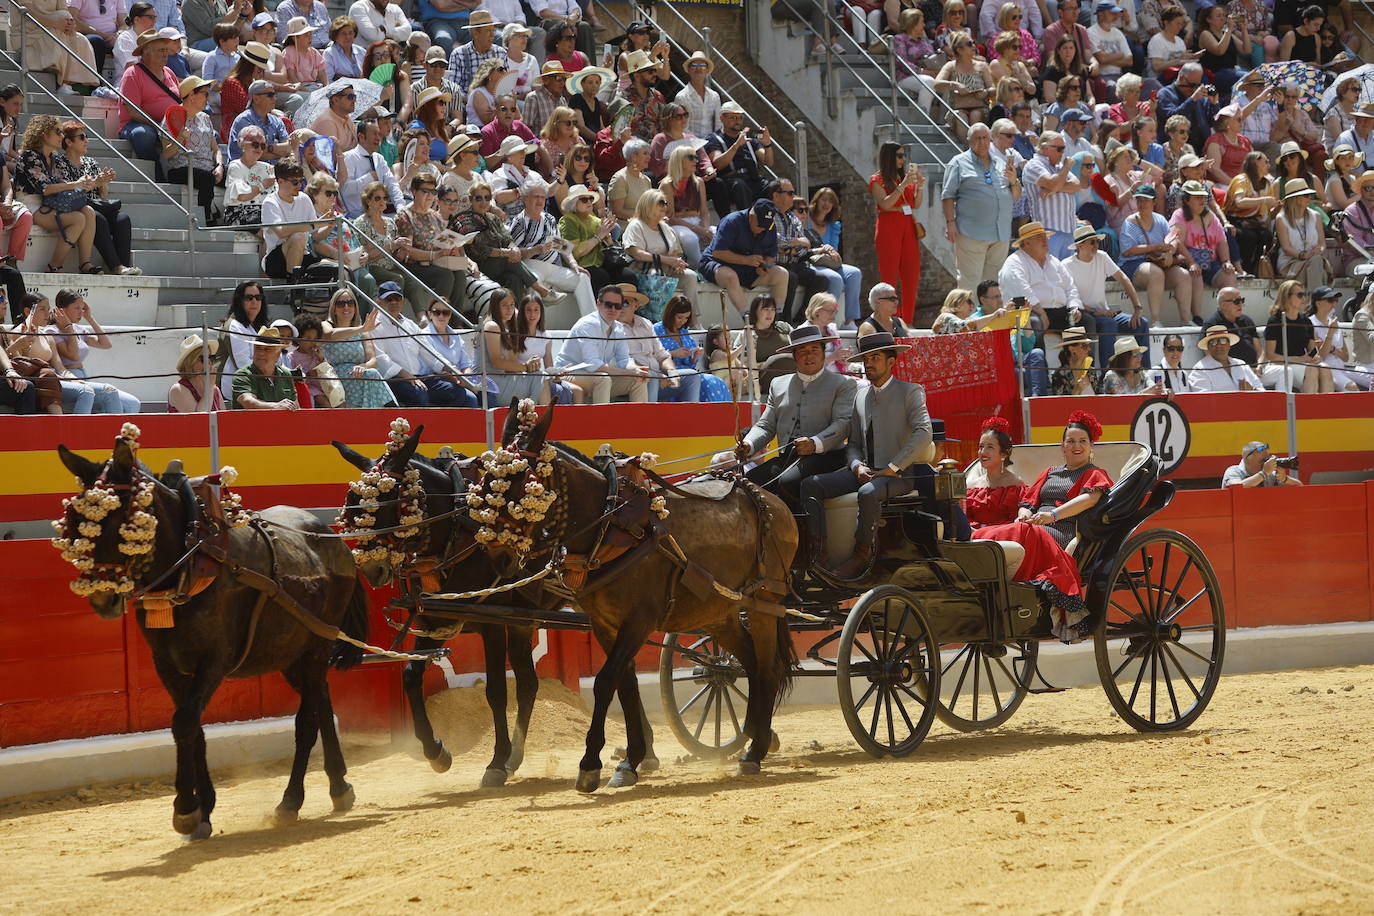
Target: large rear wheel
1162	635
888	671
982	684
705	694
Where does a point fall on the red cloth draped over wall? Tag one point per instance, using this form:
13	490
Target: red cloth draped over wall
968	378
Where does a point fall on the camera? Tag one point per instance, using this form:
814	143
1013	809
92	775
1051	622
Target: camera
1288	463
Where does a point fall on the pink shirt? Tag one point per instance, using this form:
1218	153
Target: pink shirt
1194	236
304	66
136	86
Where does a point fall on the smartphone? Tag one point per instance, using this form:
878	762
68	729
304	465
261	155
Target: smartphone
1159	378
609	50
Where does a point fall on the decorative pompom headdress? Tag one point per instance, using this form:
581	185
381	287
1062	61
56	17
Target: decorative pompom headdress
494	499
996	424
1088	422
374	482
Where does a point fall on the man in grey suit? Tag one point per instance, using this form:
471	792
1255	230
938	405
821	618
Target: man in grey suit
889	434
809	413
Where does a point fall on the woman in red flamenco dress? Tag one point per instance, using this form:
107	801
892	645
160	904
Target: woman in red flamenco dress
994	490
1044	525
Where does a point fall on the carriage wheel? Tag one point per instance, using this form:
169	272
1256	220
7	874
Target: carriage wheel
984	683
1161	639
887	656
705	694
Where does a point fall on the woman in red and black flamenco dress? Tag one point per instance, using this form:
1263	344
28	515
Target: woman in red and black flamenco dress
1044	525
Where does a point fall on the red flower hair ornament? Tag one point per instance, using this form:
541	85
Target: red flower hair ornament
997	424
1088	422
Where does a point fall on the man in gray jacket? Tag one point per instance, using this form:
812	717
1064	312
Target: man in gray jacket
889	433
809	414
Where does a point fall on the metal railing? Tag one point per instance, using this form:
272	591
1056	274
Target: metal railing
896	95
25	17
796	159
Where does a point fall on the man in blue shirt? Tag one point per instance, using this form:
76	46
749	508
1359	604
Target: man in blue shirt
744	255
597	353
977	198
1188	96
445	20
262	95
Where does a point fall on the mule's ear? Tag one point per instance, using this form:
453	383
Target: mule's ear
361	462
401	457
124	455
83	468
541	430
512	427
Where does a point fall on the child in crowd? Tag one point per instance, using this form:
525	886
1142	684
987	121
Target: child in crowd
220	61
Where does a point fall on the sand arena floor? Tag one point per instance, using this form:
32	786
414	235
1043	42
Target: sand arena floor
1265	806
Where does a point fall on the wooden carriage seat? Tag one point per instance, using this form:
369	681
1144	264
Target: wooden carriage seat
841	514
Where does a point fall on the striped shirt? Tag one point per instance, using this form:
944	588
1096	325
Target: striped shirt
528	232
1059	210
463	63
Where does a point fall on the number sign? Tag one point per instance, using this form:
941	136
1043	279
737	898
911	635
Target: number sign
1163	427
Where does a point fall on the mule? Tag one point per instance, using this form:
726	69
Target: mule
742	541
226	629
445	558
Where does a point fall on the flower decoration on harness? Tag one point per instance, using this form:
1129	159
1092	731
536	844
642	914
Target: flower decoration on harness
230	502
80	526
658	505
494	497
360	520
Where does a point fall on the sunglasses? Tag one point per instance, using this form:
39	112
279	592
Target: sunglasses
247	296
1173	349
1262	447
507	108
1239	299
345	301
376	197
328	193
477	197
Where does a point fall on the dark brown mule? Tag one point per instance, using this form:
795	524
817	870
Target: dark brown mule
218	634
446	550
666	582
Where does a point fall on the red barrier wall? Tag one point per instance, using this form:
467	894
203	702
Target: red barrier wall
1284	556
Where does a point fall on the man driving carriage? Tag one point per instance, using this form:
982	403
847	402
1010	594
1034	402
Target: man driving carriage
809	412
890	432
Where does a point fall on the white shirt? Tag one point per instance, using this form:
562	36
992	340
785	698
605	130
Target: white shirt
276	210
703	112
1164	49
395	353
1049	285
1109	41
1208	375
363	169
561	9
374	26
644	346
1091	277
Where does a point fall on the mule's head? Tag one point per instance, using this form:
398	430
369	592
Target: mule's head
389	495
114	528
515	490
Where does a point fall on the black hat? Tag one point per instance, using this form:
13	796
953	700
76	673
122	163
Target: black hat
874	343
1324	292
764	211
937	431
802	335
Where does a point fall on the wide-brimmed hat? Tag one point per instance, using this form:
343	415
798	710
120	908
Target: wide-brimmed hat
192	347
479	19
1364	110
1190	160
1296	187
256	53
269	337
1194	189
877	343
297	25
552	68
577	79
1216	332
636	61
632	294
515	145
576	193
1365	178
429	94
1071	336
1085	232
1292	149
801	336
147	38
1344	149
1028	231
699	57
191	84
1126	345
460	144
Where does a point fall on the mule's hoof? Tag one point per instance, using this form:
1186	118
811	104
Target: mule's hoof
748	768
441	761
284	817
649	765
773	742
186	824
588	780
202	832
344	802
623	777
494	778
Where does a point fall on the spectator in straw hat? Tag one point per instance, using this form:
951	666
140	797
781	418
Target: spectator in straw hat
1090	268
153	87
643	101
551	93
481	45
1301	236
1076	374
185	395
701	101
1342	169
1218	370
1032	277
1125	375
265	384
1359	224
315	15
1360	137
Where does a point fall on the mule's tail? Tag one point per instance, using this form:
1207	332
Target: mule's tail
784	661
354	624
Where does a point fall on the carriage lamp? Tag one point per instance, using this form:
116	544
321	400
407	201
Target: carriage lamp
949	481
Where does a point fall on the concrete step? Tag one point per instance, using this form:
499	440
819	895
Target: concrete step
138	300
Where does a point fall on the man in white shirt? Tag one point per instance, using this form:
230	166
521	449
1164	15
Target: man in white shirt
1090	267
701	101
405	364
1219	370
1111	50
379	19
1032	277
365	165
597	344
286	245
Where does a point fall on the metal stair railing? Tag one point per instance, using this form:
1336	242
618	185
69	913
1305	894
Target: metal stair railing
25	17
797	159
1368	42
896	95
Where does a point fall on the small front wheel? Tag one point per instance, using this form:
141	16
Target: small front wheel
888	672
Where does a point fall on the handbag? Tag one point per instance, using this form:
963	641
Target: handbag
107	207
330	387
659	287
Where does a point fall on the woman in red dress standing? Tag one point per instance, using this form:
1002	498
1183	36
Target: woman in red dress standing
1044	525
897	191
995	490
